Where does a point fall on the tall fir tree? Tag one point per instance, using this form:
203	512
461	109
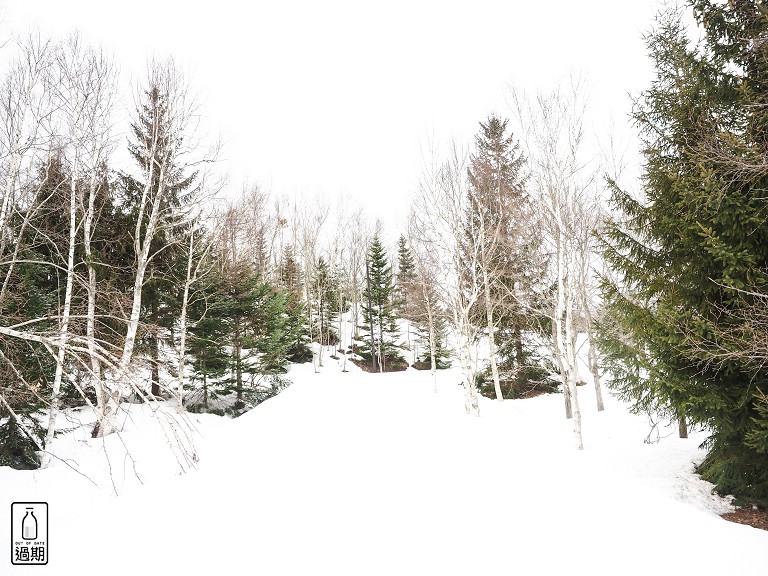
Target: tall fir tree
325	302
379	310
501	212
406	291
690	255
160	305
406	276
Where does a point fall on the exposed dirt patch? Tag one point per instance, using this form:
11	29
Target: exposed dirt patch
757	518
390	365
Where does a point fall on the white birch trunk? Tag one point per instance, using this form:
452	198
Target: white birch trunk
182	351
64	326
572	371
592	362
432	348
471	404
491	335
102	394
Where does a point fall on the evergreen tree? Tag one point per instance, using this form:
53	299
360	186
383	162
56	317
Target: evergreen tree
290	271
160	306
379	310
501	214
26	368
243	333
442	352
687	251
406	276
207	342
290	282
326	302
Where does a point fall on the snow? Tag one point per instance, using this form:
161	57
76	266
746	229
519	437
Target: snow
355	473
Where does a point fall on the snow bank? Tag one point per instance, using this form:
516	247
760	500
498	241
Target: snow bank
374	474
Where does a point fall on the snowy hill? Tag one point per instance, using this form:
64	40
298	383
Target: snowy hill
353	473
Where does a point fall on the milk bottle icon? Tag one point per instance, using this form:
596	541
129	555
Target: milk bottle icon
29	525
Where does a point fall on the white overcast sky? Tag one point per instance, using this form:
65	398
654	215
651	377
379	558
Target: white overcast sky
330	97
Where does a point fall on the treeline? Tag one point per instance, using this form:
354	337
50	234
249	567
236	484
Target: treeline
122	283
137	283
668	286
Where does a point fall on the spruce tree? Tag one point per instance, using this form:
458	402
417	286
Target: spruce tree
690	255
160	306
442	352
406	276
500	215
326	302
208	340
379	310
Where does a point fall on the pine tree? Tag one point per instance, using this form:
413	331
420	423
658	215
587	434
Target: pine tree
379	310
686	252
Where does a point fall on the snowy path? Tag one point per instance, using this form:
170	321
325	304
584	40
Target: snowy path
368	474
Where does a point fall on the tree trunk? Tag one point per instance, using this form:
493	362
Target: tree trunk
471	404
238	369
370	315
382	352
102	394
556	338
519	354
340	346
182	352
682	426
564	339
432	348
64	326
571	361
593	368
491	336
154	344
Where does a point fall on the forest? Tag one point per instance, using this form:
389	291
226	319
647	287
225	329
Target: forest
129	276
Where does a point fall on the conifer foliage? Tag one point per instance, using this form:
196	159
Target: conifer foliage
691	259
499	219
379	310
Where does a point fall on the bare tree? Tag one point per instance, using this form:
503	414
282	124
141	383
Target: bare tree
440	215
85	88
164	125
553	129
425	266
309	221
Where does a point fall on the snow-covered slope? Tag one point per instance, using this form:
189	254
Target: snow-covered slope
352	473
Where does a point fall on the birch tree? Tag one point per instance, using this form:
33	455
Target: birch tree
87	90
553	125
440	217
26	104
163	125
496	206
424	267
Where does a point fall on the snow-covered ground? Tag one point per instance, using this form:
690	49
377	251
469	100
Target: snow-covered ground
353	473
